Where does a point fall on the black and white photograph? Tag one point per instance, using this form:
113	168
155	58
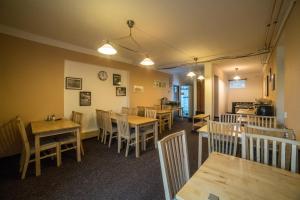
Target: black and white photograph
120	91
85	98
117	79
73	83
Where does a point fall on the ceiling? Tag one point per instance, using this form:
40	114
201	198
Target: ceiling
172	32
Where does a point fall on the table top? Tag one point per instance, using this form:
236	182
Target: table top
229	177
201	116
47	126
163	111
136	120
246	111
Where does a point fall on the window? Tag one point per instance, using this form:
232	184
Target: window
237	84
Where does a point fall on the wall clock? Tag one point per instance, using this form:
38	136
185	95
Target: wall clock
102	75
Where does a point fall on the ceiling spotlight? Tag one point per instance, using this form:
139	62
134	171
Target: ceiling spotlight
201	77
191	74
236	77
107	49
147	62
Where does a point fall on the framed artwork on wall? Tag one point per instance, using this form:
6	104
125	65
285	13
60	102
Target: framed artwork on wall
267	86
117	79
73	83
120	91
273	82
85	98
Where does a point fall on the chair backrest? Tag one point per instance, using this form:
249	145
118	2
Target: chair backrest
258	146
274	132
167	107
123	125
106	117
157	107
10	142
150	113
125	110
133	111
230	118
99	119
23	134
222	137
263	121
77	118
173	156
141	111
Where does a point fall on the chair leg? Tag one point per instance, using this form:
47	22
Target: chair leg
127	147
119	144
110	137
58	155
102	136
105	135
81	148
98	137
22	159
144	142
27	157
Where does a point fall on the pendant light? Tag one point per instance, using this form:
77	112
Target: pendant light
201	77
107	49
147	62
191	74
236	77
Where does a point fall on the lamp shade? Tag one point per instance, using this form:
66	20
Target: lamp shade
201	77
191	74
147	62
237	77
107	49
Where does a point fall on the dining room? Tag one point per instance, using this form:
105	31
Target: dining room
149	99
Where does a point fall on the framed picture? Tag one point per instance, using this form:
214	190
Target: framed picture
273	82
120	91
267	86
117	79
85	98
73	83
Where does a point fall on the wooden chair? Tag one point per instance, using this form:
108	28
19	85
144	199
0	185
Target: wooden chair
173	156
68	141
124	133
29	149
262	121
230	118
223	137
125	110
254	144
133	111
109	129
100	124
148	130
274	132
141	111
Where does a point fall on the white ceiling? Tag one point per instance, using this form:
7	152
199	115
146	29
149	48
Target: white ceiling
170	31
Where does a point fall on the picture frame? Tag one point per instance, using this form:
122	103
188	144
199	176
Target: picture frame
85	98
120	91
273	82
73	83
267	86
116	79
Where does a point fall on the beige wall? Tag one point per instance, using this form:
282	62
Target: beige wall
252	91
32	79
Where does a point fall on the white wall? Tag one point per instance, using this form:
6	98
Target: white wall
103	92
253	90
222	86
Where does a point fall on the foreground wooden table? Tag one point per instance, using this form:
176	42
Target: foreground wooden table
232	178
137	122
50	128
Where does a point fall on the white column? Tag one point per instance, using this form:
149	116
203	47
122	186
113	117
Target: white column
208	73
195	95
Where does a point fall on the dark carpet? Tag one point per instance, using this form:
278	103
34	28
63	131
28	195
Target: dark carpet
102	174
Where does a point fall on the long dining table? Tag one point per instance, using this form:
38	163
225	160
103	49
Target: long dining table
137	122
227	177
44	128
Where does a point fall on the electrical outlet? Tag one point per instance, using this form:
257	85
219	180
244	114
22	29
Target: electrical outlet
285	115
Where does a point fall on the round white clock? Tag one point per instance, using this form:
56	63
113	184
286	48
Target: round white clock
102	75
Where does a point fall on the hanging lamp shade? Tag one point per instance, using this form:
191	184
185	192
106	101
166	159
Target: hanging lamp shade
236	77
201	77
107	49
191	74
147	61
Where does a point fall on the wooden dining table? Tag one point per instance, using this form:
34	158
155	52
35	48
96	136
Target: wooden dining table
161	114
44	128
137	122
229	178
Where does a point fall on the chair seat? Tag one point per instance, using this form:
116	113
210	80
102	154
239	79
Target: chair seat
66	139
45	144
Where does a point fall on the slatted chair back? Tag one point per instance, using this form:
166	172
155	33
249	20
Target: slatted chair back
133	111
173	156
258	146
230	118
150	113
77	118
23	134
106	116
141	111
125	110
223	137
10	142
262	121
99	119
275	132
123	125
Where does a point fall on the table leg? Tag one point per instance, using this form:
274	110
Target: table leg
200	150
137	141
160	124
78	145
37	155
155	134
170	121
